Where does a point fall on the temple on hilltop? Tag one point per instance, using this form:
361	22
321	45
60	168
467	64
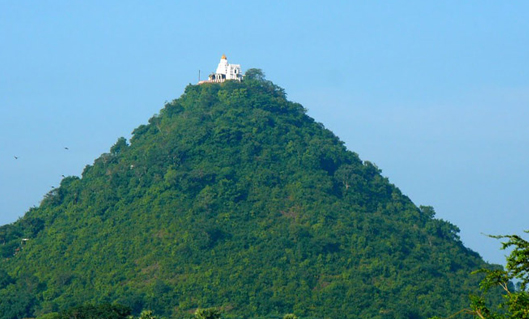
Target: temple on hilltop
225	71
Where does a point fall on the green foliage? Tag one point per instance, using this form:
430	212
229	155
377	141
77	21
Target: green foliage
103	311
254	74
233	197
5	279
147	314
208	313
51	315
17	298
512	281
119	147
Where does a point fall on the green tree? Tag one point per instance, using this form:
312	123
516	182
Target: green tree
513	280
5	279
208	313
147	314
104	311
120	146
254	74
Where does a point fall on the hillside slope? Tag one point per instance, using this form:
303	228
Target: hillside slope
233	197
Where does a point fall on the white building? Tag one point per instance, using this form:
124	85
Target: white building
225	71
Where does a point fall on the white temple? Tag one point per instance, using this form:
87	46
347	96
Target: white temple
225	71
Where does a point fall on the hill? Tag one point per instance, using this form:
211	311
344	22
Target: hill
233	197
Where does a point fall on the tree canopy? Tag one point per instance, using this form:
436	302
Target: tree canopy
512	281
254	74
232	197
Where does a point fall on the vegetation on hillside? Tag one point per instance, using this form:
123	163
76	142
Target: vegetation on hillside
513	281
232	197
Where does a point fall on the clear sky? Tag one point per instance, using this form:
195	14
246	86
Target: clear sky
434	93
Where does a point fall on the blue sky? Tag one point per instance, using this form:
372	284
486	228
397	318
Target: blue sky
435	94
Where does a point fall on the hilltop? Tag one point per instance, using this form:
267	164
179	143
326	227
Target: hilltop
233	197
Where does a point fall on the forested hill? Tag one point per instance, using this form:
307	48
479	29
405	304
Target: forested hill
233	197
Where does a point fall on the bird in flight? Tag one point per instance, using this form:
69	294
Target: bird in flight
16	157
66	148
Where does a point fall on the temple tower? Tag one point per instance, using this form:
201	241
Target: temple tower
225	71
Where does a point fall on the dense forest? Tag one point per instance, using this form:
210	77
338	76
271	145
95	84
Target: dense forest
233	197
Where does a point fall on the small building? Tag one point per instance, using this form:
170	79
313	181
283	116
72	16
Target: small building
225	71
